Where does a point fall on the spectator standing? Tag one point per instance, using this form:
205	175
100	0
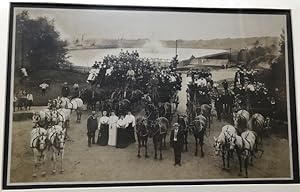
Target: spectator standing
43	87
29	100
176	141
112	132
15	102
92	125
65	90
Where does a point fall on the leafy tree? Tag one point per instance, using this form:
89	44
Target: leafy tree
278	77
38	44
278	66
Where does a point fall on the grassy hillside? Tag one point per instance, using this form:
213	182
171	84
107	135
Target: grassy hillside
54	78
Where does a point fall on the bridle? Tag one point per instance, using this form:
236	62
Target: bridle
57	141
38	143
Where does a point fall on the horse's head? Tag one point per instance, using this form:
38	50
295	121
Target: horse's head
235	119
232	141
199	124
218	146
54	118
59	102
42	141
35	119
143	125
49	104
60	139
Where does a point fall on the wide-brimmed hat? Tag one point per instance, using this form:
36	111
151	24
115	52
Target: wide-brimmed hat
176	125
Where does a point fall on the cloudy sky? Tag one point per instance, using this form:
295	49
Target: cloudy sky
158	25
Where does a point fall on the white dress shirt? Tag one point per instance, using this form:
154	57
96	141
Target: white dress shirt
103	121
130	119
122	123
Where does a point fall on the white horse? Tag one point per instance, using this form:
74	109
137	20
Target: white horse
76	104
62	102
244	146
258	124
46	116
56	138
240	120
39	146
222	143
63	116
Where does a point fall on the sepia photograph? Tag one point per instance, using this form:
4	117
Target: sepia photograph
118	95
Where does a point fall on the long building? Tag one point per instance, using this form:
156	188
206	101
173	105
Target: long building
217	59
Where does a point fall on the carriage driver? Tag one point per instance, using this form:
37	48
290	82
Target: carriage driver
130	77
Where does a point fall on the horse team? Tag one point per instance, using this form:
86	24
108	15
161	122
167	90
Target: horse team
243	137
50	131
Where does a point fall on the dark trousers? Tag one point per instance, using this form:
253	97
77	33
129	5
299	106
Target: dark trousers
29	104
43	92
15	103
177	154
91	138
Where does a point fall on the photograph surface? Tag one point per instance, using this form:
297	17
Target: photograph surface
132	95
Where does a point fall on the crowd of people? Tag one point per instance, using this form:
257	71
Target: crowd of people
23	100
130	71
113	130
200	83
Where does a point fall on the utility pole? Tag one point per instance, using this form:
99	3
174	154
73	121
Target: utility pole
229	56
176	47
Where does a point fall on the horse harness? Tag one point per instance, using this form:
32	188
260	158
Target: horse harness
55	143
37	139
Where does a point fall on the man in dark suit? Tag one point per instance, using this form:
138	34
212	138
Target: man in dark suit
65	90
92	125
177	141
225	86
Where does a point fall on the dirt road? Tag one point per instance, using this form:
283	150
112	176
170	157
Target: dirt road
98	163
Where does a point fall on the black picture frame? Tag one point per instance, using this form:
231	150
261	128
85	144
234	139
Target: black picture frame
291	75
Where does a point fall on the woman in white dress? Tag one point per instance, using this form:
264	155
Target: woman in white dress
112	132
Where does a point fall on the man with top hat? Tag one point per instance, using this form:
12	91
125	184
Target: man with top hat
177	141
92	125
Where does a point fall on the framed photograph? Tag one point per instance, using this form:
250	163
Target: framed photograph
102	95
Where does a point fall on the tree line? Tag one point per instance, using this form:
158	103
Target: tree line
37	44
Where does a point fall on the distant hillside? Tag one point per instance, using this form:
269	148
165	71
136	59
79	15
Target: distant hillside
235	44
109	43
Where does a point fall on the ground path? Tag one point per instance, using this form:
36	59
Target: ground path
99	163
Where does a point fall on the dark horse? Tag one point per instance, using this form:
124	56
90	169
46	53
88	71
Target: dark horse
135	96
198	127
142	134
123	106
206	112
182	120
159	131
165	110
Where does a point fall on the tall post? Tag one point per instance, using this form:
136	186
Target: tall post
176	48
229	56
